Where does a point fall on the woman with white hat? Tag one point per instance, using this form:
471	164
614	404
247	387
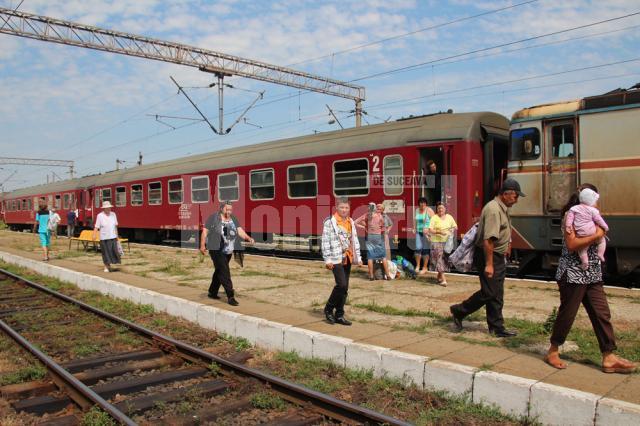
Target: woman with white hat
107	224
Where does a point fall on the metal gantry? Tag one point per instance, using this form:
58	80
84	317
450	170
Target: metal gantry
70	33
39	162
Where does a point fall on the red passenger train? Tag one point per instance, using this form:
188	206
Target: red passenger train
287	187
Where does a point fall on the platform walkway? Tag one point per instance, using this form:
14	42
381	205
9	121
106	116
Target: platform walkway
569	393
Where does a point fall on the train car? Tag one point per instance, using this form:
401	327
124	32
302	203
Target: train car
20	206
288	187
556	147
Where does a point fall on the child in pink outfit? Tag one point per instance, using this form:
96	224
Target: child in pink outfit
583	218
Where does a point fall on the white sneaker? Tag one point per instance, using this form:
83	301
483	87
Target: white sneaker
106	270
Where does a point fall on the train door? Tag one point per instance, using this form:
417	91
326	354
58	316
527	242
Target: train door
430	184
495	164
561	156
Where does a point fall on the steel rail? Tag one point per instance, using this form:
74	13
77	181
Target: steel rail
80	393
328	405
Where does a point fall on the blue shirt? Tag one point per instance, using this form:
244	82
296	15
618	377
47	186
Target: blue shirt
42	217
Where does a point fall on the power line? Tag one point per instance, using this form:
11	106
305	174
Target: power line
516	80
410	33
484	49
499	92
468	53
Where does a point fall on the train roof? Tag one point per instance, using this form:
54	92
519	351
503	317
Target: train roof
437	127
619	98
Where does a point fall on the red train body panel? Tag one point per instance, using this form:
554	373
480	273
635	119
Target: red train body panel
469	149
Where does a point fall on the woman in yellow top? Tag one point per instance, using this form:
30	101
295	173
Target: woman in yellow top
442	227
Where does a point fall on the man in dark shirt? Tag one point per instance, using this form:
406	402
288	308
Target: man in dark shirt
434	182
71	223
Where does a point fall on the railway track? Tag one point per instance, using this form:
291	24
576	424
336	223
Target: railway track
136	371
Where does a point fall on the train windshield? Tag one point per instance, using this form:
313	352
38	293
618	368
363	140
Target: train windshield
524	144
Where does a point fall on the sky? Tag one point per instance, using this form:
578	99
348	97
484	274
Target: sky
69	103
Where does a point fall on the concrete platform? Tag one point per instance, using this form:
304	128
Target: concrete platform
522	384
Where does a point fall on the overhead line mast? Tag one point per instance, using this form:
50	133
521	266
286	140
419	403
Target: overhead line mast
74	34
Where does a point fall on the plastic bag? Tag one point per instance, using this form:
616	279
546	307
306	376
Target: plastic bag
119	247
450	245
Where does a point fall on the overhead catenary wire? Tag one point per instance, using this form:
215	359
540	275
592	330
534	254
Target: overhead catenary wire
410	33
447	59
516	80
443	60
484	49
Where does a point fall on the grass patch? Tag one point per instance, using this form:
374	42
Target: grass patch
240	343
32	372
172	267
244	272
267	401
394	397
97	417
390	310
460	411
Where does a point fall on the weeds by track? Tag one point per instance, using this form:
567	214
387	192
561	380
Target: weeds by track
133	370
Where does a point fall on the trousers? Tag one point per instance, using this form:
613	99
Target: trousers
594	300
491	293
340	290
221	273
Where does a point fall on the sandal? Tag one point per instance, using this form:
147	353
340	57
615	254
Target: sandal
560	366
620	367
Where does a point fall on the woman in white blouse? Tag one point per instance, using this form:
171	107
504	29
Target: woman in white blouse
107	225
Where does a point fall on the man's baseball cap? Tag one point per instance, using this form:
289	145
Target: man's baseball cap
511	185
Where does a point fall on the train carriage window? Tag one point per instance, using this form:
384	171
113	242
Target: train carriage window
228	187
525	144
155	193
72	201
175	191
35	203
302	181
106	195
29	205
121	196
200	189
96	198
351	177
392	172
136	195
58	202
563	141
24	204
65	201
261	185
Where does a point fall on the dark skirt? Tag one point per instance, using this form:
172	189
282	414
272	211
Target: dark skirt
375	247
109	249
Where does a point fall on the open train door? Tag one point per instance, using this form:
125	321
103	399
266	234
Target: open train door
561	157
